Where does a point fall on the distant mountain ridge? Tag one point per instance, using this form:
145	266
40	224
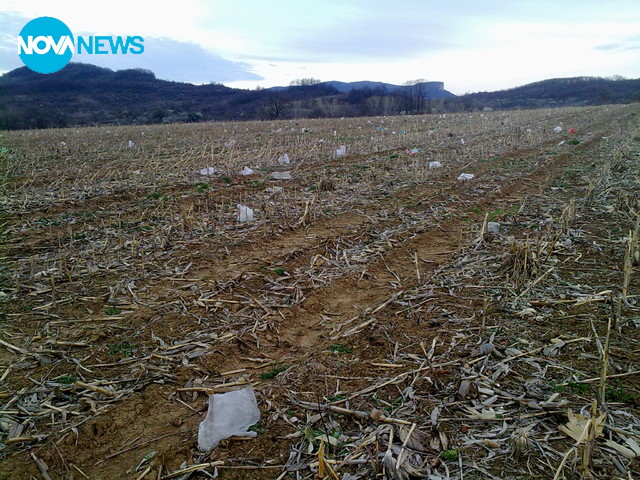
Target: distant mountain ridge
429	89
82	94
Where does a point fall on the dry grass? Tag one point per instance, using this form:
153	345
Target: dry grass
386	332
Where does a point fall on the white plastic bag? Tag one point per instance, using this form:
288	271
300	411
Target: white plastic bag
207	171
493	227
558	129
247	171
281	175
230	414
465	176
341	152
435	164
284	159
131	144
245	214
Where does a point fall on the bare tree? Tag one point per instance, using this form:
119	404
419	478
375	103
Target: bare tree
414	95
304	82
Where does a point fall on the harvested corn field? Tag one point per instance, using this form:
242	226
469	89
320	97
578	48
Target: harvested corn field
395	318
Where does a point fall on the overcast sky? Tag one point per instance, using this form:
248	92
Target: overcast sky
471	45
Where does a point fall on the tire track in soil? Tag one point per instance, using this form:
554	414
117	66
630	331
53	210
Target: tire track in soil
356	294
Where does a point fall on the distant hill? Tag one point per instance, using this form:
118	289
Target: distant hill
82	94
559	92
429	90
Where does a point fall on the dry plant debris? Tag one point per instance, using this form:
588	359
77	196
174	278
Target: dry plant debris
386	331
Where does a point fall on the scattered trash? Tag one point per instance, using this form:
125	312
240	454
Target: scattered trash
435	164
274	189
284	159
558	129
208	171
561	142
413	151
341	152
572	130
137	172
245	214
230	414
465	176
64	144
131	144
462	141
247	171
281	175
493	227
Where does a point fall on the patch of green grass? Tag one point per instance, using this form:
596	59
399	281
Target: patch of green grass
66	379
340	348
202	187
274	372
123	348
617	394
573	141
501	212
394	155
394	405
280	271
256	428
154	195
123	224
335	398
45	222
226	179
579	388
111	311
450	455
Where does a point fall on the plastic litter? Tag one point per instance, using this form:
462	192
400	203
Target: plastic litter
247	171
208	171
493	227
465	176
230	414
341	152
572	130
274	189
558	129
131	144
435	164
245	214
281	175
561	142
284	159
413	151
63	144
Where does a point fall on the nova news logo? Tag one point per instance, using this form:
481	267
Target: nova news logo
46	45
